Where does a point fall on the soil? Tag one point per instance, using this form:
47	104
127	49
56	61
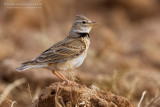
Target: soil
73	94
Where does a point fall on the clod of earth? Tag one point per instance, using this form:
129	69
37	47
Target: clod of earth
74	94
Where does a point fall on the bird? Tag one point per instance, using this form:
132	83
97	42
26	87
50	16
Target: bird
66	54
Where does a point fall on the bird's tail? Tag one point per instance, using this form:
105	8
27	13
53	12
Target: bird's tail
27	65
24	67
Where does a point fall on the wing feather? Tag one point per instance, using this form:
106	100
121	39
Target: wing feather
62	51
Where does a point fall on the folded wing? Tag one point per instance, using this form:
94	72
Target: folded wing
62	51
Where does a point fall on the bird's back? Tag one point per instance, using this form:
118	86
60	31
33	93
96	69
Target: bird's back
72	49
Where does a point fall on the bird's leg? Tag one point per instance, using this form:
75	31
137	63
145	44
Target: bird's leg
63	76
55	73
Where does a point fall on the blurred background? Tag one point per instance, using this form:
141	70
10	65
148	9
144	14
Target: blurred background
124	55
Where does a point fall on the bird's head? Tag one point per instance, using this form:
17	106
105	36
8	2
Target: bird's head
82	24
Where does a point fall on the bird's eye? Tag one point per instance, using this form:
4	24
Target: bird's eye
84	22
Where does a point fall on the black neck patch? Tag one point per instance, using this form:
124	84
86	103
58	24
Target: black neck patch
84	34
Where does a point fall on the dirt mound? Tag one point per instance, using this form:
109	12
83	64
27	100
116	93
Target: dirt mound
73	94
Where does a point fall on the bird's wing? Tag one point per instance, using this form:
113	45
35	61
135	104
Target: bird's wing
62	51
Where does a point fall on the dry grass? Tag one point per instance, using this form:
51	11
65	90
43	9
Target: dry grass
124	56
9	88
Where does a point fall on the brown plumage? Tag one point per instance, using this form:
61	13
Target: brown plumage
66	54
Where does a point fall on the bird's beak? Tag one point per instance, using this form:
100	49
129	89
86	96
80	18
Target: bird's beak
93	24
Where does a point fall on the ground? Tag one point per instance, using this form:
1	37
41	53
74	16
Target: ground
123	58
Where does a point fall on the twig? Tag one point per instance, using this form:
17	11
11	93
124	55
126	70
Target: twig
38	89
142	97
56	96
14	102
154	100
10	88
29	91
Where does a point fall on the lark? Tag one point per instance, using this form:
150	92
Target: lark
66	54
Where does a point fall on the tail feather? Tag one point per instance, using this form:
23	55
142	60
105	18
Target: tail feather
24	67
30	62
27	65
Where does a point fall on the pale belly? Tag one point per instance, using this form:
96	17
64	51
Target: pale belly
74	63
70	64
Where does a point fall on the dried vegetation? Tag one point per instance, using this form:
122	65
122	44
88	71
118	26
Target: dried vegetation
124	56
